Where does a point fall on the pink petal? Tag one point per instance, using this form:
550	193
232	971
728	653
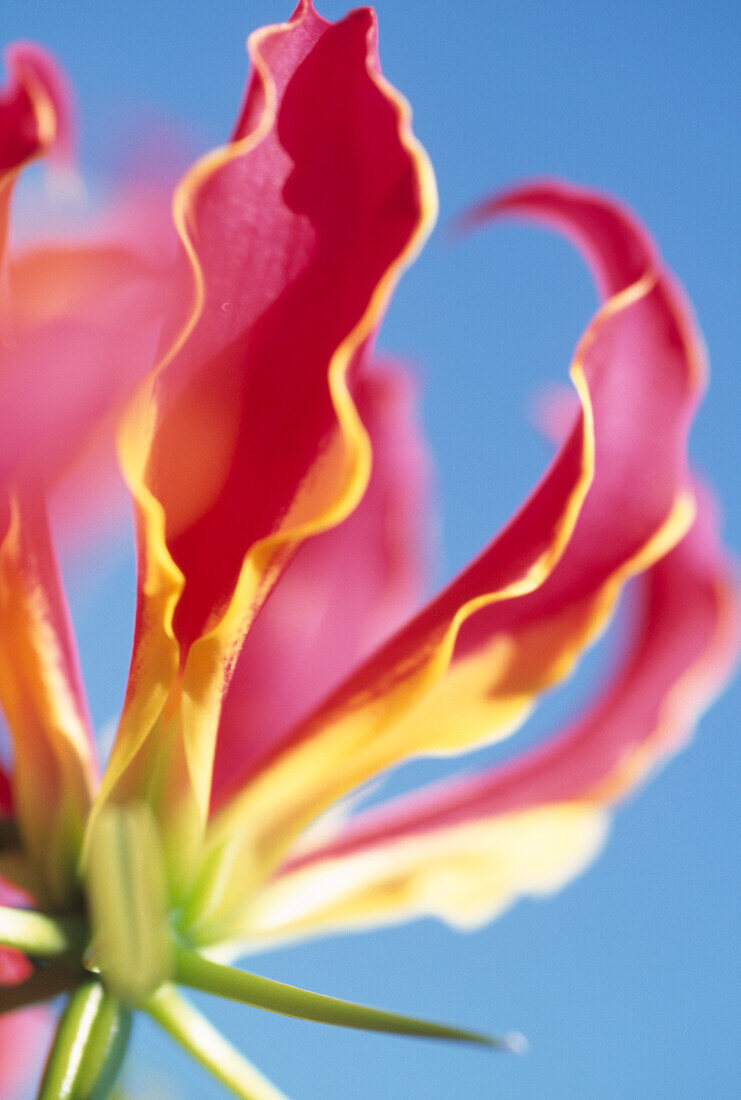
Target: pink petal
344	591
464	849
616	498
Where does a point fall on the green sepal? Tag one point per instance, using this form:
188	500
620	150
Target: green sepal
89	1048
208	1046
128	902
194	970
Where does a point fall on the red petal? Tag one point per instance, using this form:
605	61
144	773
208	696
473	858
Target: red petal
344	591
519	616
35	108
43	701
249	442
465	849
685	644
35	118
6	795
294	236
618	250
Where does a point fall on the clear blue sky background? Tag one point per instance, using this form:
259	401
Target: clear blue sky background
627	983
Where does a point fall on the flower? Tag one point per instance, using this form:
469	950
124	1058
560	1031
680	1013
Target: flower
276	477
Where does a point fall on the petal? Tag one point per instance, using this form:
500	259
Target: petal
35	108
43	702
466	849
342	594
81	327
88	314
35	118
14	966
248	441
615	499
6	795
618	251
24	1035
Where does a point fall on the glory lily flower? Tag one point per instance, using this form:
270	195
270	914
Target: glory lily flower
277	477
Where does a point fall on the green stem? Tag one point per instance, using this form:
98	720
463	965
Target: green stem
38	934
194	1032
89	1047
197	972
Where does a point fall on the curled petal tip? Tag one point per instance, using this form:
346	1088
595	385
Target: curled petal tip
613	240
39	102
516	1043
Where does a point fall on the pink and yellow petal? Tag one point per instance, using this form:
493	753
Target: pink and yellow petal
464	850
82	330
344	591
248	441
469	667
43	702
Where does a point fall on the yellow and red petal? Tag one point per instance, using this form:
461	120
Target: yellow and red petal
616	498
464	850
43	702
344	591
248	441
82	330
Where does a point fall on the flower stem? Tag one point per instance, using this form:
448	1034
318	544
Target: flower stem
40	935
89	1048
198	972
194	1032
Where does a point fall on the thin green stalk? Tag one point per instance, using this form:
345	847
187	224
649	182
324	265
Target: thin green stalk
194	1032
194	970
38	934
89	1047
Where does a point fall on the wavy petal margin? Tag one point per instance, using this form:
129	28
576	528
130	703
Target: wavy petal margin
43	701
464	850
248	442
470	666
344	592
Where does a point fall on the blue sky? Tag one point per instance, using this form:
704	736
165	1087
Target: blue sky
625	982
